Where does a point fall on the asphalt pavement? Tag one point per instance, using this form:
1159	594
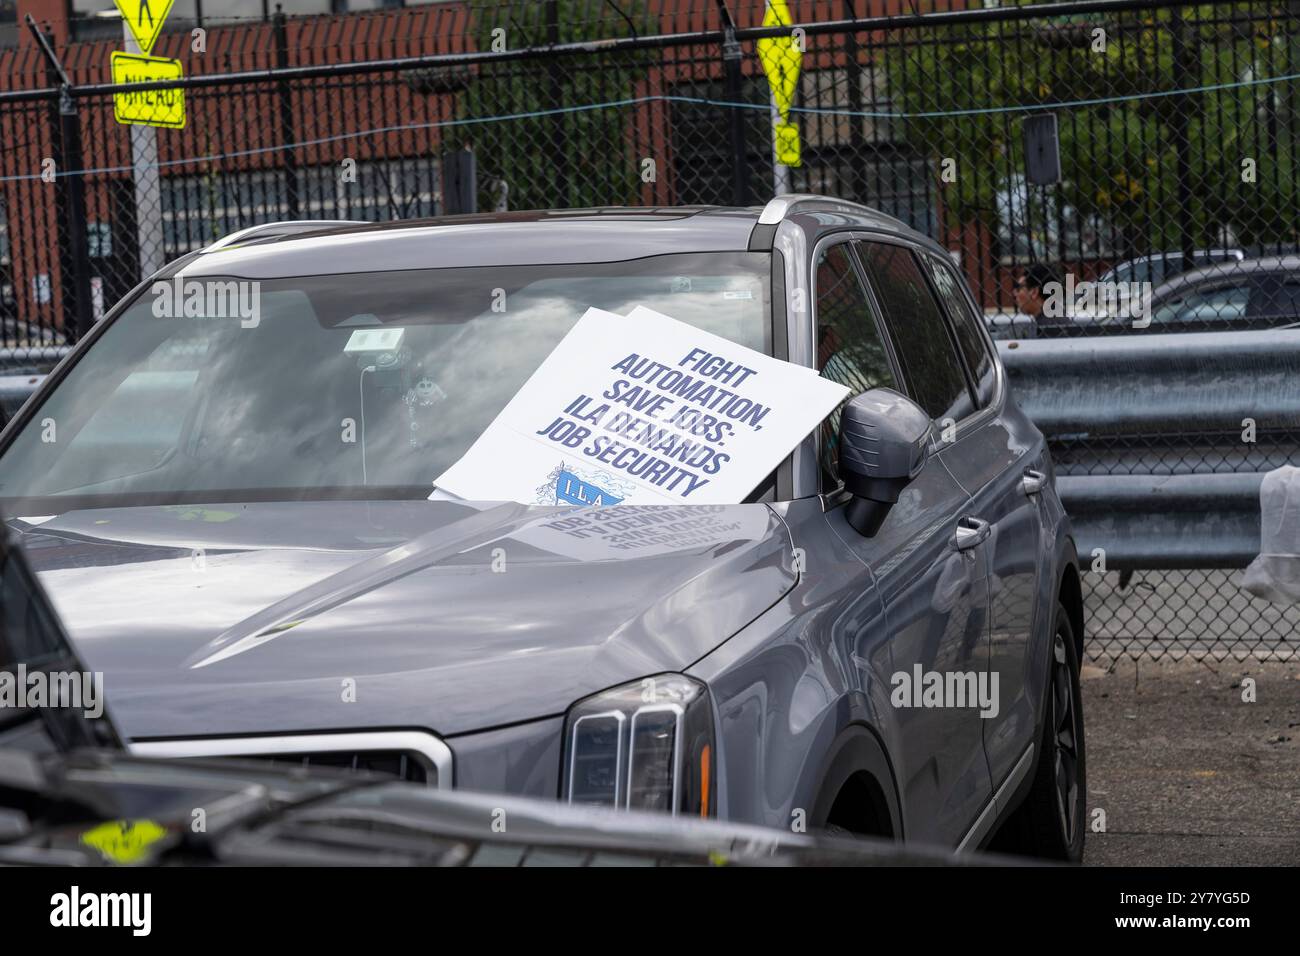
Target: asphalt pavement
1187	772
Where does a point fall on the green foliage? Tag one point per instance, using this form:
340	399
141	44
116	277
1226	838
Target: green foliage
567	160
1149	167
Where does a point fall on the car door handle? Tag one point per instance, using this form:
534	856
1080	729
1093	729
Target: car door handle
1032	482
970	532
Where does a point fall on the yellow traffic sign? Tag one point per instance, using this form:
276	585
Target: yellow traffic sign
145	19
782	58
124	841
148	107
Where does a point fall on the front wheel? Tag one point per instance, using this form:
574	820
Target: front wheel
1050	822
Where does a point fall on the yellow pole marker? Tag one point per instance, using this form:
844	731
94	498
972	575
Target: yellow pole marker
782	59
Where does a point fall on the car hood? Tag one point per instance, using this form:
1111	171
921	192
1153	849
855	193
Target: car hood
448	616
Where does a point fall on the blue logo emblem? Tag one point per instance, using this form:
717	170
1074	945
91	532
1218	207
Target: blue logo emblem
571	489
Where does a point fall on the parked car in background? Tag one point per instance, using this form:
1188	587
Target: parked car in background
1236	295
254	584
1159	266
1251	294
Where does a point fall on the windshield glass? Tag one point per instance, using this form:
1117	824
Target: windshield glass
359	385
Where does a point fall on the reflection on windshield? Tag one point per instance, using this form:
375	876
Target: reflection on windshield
300	402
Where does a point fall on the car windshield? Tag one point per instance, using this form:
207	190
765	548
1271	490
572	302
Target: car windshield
360	385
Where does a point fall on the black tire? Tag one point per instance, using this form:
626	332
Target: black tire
1050	822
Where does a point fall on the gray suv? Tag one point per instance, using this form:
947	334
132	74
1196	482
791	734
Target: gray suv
231	511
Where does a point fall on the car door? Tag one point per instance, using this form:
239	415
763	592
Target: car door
935	595
1001	462
1274	300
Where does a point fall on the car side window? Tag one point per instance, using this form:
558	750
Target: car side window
1205	307
1287	306
965	323
850	349
933	374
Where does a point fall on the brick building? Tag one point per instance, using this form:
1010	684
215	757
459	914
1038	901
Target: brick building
270	149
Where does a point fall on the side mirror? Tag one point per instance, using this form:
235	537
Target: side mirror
884	443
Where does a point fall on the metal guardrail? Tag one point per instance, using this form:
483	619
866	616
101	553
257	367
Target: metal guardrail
14	390
21	358
1184	384
22	368
1165	521
1161	441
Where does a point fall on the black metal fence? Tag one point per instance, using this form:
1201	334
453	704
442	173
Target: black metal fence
1175	125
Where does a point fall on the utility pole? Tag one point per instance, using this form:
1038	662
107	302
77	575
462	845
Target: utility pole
148	185
70	195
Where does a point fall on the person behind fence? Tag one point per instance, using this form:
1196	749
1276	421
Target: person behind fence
1031	290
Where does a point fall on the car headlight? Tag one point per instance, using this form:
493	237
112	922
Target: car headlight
648	745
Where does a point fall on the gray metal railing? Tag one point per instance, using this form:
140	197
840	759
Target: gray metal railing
22	368
1160	444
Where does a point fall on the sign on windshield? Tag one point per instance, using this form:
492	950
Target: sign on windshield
643	409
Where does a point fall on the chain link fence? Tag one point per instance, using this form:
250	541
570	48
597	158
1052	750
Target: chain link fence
1174	208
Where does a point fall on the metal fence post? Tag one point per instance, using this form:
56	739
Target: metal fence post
69	193
732	56
459	182
288	157
559	148
1182	142
147	185
72	199
857	139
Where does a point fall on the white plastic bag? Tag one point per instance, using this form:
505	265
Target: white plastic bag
1275	574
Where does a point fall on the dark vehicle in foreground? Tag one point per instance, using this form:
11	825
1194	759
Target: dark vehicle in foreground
230	512
93	808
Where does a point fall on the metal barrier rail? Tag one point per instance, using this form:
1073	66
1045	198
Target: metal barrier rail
1182	384
22	368
19	358
1165	521
1205	415
14	390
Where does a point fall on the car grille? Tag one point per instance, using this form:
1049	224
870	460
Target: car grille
404	765
413	756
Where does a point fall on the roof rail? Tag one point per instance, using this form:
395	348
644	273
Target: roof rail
763	235
275	230
777	209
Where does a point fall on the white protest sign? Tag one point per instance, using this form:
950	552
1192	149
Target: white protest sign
643	409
